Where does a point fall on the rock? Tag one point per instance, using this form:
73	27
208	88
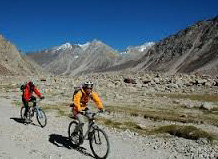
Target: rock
130	80
146	81
145	85
144	94
202	141
43	79
183	116
189	105
156	80
138	85
201	81
172	85
152	83
206	106
176	101
110	85
141	126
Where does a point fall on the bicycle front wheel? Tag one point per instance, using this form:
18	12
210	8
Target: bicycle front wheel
41	117
99	143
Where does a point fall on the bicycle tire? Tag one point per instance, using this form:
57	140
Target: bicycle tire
71	125
40	116
75	138
92	140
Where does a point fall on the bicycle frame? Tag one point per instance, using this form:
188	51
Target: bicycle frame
36	108
90	127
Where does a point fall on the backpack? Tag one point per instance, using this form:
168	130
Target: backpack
76	90
22	87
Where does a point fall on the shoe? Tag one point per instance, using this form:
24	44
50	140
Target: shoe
26	120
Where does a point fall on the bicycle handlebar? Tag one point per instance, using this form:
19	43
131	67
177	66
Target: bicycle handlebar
96	113
83	112
39	99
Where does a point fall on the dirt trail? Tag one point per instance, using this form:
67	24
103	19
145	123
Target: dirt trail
31	141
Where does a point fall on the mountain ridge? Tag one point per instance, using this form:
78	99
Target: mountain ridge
190	50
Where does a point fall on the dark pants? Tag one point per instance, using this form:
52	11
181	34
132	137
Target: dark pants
26	104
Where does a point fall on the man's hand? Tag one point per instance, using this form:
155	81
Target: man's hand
72	105
81	112
72	109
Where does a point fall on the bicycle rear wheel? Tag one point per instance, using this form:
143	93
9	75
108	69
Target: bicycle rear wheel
74	136
99	143
27	118
41	117
22	111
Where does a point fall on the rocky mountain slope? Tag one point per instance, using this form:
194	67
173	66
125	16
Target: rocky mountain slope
194	49
191	50
13	63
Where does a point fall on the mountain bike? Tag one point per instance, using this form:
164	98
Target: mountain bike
98	139
40	114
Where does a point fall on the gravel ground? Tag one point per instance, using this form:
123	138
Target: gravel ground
18	140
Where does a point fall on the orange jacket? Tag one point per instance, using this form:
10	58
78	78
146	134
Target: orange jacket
81	100
28	93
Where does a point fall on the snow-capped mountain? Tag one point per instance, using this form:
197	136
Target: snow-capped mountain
76	58
137	49
145	46
88	57
66	46
84	46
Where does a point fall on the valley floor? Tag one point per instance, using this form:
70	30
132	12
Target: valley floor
139	120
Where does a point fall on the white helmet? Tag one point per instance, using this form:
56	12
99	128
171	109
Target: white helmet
88	84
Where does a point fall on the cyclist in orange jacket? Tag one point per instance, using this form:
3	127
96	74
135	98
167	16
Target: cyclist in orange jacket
27	96
81	99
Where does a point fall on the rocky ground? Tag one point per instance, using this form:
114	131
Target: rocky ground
137	104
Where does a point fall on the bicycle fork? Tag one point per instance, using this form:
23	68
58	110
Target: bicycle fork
39	112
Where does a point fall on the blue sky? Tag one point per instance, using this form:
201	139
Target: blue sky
38	24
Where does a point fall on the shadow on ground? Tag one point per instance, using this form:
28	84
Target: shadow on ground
19	120
62	141
22	121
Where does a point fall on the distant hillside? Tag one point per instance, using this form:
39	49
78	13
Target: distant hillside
13	63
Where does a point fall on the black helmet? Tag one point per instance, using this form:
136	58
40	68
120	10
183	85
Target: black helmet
31	84
88	84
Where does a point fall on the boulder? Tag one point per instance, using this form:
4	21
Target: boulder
43	79
156	80
206	106
130	80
